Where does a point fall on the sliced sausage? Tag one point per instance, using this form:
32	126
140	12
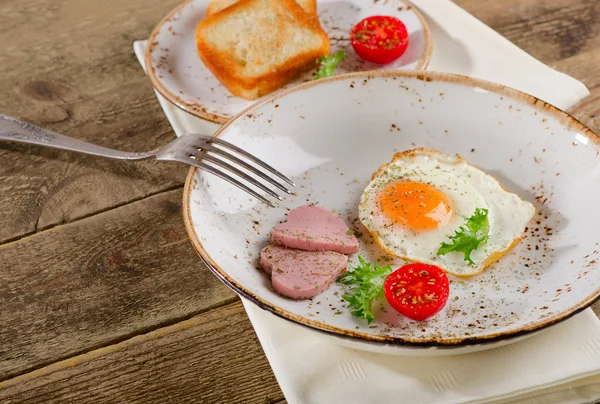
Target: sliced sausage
313	228
301	274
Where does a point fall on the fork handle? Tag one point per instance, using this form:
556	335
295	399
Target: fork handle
14	130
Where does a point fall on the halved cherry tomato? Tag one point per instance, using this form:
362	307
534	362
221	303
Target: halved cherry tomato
379	39
417	291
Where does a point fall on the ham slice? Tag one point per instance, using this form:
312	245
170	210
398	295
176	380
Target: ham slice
301	274
313	228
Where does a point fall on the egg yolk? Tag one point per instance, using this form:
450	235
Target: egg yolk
415	205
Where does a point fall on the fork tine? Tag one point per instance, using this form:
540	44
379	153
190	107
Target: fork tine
227	166
231	180
212	139
221	152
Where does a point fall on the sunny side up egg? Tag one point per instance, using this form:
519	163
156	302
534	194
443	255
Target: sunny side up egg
422	197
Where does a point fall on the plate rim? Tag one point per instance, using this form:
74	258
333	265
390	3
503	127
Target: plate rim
201	112
564	118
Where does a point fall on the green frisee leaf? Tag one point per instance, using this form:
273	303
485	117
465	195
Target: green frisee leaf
368	280
328	64
470	236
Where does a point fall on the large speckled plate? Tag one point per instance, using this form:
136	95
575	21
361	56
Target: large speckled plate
177	72
331	135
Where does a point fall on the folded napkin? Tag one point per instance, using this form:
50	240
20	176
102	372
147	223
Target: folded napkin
559	365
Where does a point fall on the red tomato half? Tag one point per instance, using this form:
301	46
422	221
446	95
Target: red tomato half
379	39
417	291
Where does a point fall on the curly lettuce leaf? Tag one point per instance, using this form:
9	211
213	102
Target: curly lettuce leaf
470	236
368	280
329	63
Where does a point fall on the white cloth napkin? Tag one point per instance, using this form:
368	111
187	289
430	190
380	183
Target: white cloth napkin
559	365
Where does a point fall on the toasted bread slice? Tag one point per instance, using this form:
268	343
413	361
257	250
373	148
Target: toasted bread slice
310	6
254	47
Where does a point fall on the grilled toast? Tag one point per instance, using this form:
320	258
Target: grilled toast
310	6
254	47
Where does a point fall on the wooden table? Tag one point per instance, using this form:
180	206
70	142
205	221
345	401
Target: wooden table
102	298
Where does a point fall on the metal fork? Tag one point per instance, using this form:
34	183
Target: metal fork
205	152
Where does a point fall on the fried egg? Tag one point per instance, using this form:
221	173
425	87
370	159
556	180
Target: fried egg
422	197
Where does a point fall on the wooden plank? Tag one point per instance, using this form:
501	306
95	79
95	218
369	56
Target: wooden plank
80	48
98	281
211	358
550	30
69	66
44	187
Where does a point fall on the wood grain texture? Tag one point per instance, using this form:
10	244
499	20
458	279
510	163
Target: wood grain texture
100	280
211	358
84	48
42	187
550	30
78	75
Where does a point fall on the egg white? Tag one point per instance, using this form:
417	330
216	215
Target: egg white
467	188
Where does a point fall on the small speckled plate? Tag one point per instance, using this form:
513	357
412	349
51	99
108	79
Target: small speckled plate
177	72
331	135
